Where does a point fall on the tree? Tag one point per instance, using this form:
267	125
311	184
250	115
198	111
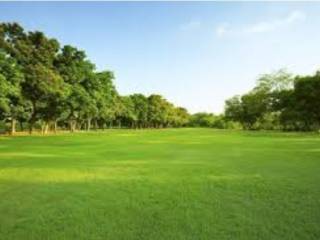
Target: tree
202	119
11	103
105	96
128	116
181	117
41	82
77	73
259	108
307	100
34	53
234	109
284	104
158	111
42	85
141	108
275	82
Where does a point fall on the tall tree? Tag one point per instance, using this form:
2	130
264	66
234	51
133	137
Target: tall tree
35	53
307	99
105	96
11	102
158	110
76	72
140	104
43	83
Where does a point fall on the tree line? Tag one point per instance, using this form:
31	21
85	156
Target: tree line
46	86
279	101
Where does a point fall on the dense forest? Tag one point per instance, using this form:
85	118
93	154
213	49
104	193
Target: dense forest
46	86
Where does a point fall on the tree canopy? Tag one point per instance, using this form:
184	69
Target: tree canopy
47	86
279	101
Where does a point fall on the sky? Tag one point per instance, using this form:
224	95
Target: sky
195	54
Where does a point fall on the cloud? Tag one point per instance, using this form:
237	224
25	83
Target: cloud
192	25
262	27
296	16
222	29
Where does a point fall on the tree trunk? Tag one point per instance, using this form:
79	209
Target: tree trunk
55	126
46	127
21	126
31	125
42	127
95	124
88	124
72	124
13	126
33	117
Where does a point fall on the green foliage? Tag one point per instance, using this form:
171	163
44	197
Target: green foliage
209	120
141	109
43	83
12	105
158	110
202	120
304	102
48	85
278	102
275	82
180	117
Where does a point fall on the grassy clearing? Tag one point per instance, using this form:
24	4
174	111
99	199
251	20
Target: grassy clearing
160	184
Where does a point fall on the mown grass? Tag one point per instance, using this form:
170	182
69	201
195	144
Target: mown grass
160	184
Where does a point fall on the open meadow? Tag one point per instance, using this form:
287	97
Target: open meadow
160	184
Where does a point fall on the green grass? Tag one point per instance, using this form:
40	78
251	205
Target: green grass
160	184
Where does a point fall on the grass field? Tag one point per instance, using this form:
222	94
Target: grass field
160	184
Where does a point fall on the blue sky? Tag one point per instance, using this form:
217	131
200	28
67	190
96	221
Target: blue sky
195	54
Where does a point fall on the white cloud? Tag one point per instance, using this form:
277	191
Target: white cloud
262	27
192	25
222	29
296	16
269	26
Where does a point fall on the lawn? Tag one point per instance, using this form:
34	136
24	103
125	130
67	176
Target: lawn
160	184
